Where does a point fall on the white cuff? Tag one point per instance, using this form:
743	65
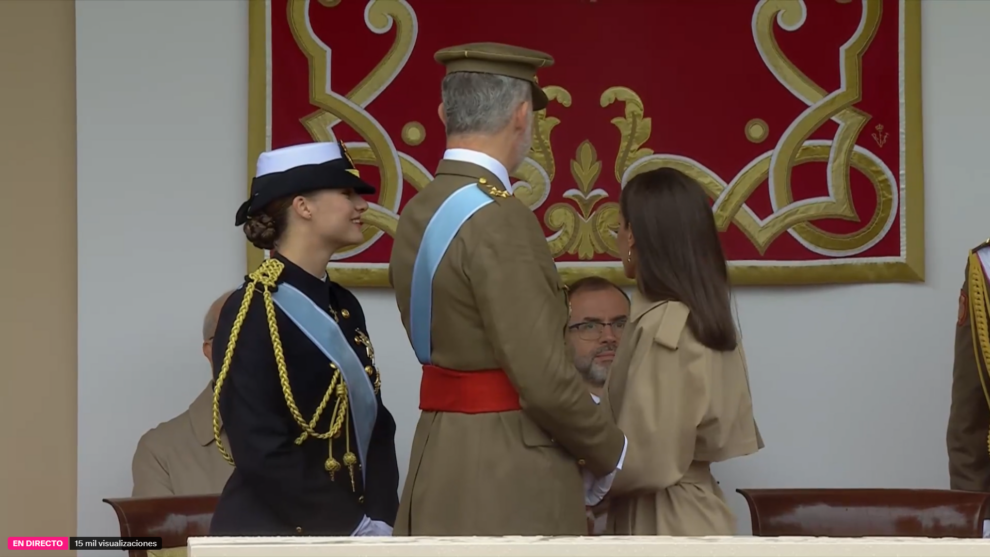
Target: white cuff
622	457
595	489
362	527
372	528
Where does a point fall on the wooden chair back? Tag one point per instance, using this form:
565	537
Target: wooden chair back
173	519
854	513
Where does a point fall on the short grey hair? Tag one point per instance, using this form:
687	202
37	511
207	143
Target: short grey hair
481	103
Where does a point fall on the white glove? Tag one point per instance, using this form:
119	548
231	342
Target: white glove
372	528
595	489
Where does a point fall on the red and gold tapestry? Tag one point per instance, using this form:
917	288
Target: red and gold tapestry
800	118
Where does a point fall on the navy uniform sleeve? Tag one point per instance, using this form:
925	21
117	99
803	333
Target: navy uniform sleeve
262	435
381	494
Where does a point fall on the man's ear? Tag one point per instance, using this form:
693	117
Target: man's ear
442	114
520	118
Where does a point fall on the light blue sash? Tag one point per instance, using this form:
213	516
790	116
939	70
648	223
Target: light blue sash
324	332
440	232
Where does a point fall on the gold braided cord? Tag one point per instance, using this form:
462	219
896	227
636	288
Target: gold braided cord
283	375
979	306
265	277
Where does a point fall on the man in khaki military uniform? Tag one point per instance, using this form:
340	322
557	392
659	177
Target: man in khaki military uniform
509	441
968	434
179	457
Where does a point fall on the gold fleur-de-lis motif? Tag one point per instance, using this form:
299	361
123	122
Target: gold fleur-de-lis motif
880	136
586	230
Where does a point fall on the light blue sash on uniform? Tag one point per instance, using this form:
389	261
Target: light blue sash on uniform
326	334
440	232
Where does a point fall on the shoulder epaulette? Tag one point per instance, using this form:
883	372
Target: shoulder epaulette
491	190
671	325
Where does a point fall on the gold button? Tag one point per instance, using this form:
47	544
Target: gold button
581	462
333	366
369	370
361	499
482	181
345	313
298	529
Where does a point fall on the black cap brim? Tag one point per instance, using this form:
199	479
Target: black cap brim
333	175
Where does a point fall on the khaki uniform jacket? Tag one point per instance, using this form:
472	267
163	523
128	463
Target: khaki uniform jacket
969	413
682	406
180	457
498	303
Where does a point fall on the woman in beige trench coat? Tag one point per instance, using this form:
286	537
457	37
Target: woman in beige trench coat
678	386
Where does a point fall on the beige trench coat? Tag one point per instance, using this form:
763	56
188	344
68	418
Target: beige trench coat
180	457
498	303
682	406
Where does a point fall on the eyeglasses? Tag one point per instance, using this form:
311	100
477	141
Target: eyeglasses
592	330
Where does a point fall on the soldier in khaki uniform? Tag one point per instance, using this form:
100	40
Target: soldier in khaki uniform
179	456
507	430
969	416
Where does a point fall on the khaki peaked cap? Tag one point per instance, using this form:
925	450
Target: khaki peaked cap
498	59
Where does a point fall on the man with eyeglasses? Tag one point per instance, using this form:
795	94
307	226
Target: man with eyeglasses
599	310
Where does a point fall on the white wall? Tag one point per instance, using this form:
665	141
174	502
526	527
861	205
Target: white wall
851	384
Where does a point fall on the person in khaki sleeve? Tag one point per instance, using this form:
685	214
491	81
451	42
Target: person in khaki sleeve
678	386
967	437
179	456
509	441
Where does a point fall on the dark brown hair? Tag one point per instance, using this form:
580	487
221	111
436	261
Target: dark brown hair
679	255
594	283
265	228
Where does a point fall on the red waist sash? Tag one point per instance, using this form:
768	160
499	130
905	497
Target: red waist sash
466	392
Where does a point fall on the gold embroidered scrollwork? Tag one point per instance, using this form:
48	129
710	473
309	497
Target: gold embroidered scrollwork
584	221
538	169
585	231
795	149
393	167
634	128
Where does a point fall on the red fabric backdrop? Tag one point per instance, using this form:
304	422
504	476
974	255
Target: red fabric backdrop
694	64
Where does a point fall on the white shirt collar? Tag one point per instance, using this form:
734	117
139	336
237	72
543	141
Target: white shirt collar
596	399
482	160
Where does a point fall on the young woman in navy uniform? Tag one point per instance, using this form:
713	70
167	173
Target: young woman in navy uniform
297	387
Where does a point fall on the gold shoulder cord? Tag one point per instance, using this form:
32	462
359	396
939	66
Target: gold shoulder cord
265	278
979	308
